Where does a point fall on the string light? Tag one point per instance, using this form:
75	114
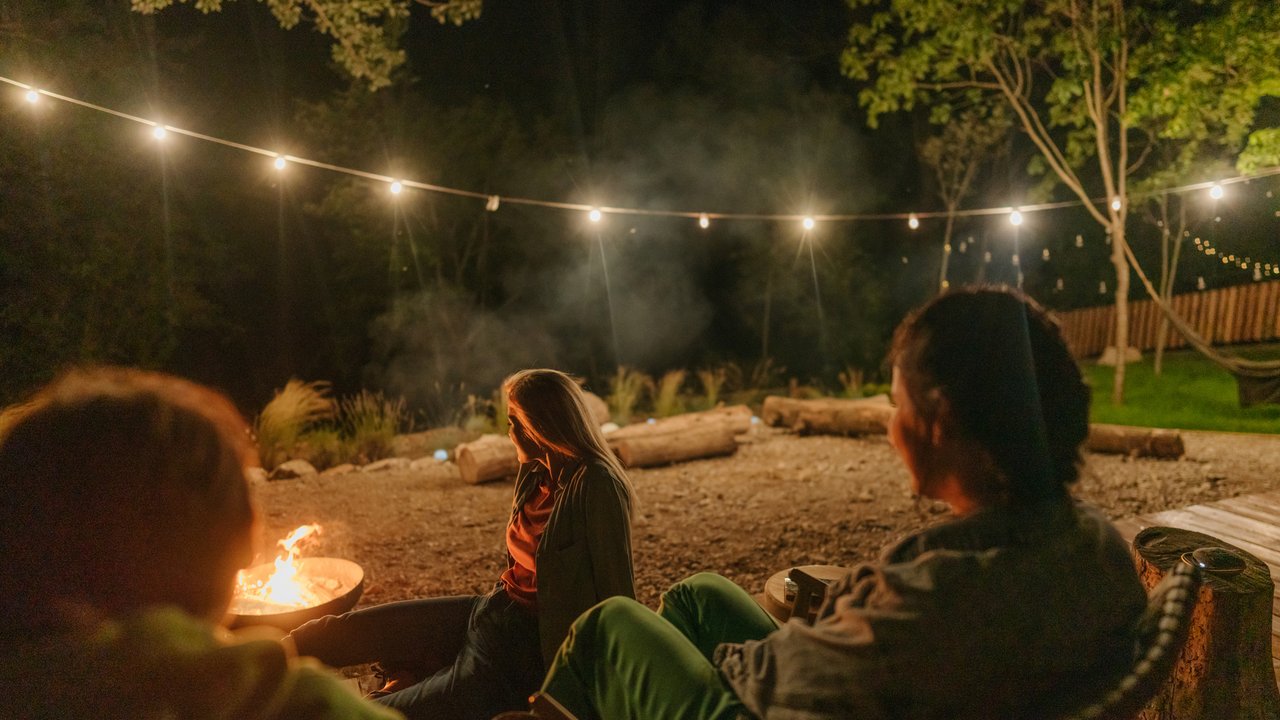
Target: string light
807	222
1216	192
159	132
1015	218
396	187
279	162
492	203
594	215
704	222
1044	255
32	96
1079	241
1115	204
913	222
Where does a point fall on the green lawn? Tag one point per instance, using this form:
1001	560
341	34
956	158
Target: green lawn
1191	394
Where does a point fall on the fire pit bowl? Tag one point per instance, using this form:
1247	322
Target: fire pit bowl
343	579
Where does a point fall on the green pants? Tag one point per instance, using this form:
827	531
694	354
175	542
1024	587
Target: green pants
621	660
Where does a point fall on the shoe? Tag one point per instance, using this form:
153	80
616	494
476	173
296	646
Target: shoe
392	681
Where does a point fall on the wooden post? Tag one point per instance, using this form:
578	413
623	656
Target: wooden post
1225	670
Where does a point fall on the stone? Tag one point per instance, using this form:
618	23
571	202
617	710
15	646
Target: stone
340	469
292	470
395	463
1108	356
255	474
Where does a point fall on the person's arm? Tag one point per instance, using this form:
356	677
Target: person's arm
607	506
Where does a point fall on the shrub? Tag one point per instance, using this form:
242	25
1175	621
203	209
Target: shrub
323	447
666	401
627	387
369	423
712	380
292	411
851	382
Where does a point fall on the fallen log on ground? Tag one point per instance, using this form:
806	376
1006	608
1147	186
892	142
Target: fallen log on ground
1135	441
735	418
1225	670
492	457
650	445
829	416
598	408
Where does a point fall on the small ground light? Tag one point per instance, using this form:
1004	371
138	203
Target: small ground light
913	222
279	163
441	454
32	97
595	215
396	187
1015	218
159	132
1216	191
807	223
704	222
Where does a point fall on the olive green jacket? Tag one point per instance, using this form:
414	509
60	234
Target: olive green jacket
584	555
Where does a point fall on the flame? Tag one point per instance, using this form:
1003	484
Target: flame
283	589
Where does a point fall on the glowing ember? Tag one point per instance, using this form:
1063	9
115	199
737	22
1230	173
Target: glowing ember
281	586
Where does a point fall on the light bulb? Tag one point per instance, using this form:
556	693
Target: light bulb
595	215
1015	218
159	132
279	162
704	222
1115	204
396	187
913	222
807	222
1044	254
33	97
1216	191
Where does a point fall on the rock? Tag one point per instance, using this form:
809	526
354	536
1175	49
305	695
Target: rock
1108	357
608	427
255	474
395	463
292	470
340	469
426	463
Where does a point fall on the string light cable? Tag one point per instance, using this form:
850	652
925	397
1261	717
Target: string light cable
1015	214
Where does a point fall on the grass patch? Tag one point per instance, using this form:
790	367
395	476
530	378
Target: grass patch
296	408
1191	394
666	399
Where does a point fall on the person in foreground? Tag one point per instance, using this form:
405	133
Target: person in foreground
1021	595
568	545
124	519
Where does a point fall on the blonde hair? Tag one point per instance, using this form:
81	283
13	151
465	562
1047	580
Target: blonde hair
553	410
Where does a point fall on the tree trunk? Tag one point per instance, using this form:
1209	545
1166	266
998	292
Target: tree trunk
492	457
943	283
659	445
1122	308
1224	671
828	415
1167	279
1135	441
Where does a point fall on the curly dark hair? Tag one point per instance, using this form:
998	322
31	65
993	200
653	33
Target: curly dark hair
1012	386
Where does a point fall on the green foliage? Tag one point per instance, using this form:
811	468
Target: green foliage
712	380
666	399
851	382
1191	394
369	422
296	408
625	391
365	33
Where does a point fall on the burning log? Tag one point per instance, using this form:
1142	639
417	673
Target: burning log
828	416
650	445
291	590
1135	441
492	457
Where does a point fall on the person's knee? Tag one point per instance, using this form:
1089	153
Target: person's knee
695	591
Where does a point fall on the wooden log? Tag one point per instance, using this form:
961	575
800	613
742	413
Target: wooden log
863	418
492	457
663	446
1224	671
1135	441
598	408
737	418
781	411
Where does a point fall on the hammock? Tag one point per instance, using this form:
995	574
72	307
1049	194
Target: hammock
1257	380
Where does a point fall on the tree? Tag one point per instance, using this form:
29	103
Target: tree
365	33
1096	85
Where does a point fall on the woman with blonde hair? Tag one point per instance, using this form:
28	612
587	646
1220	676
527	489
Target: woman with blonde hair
568	547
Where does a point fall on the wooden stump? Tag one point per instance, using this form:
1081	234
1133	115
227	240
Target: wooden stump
598	408
1135	441
663	446
1225	670
828	415
492	457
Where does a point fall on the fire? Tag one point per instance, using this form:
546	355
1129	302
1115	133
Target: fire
284	588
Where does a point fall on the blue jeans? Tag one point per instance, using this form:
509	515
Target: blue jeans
479	654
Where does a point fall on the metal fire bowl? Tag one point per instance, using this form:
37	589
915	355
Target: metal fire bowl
346	572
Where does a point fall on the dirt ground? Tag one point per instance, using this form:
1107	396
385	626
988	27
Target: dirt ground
782	500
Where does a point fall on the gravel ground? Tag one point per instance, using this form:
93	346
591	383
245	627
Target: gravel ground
782	500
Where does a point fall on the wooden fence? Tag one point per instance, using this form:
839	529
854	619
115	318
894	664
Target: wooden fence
1239	314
